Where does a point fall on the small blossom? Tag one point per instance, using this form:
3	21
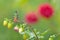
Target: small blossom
16	28
50	38
15	19
5	23
20	30
10	24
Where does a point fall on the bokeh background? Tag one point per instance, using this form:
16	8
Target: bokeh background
8	8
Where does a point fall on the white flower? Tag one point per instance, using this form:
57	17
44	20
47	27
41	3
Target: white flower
20	30
16	28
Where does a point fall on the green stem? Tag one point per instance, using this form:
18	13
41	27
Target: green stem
34	32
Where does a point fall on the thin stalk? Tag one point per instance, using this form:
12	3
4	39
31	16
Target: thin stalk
34	32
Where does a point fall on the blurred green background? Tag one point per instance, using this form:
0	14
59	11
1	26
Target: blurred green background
8	8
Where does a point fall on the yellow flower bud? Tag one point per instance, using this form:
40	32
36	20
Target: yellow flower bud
10	25
50	38
5	23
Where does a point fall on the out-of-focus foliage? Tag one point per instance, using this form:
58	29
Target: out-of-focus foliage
8	7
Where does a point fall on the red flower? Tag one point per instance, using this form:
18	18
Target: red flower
46	10
31	17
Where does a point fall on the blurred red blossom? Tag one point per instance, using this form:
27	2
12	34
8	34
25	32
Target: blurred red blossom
46	10
31	18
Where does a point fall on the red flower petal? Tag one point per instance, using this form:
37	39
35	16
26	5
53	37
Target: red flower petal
31	17
46	10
